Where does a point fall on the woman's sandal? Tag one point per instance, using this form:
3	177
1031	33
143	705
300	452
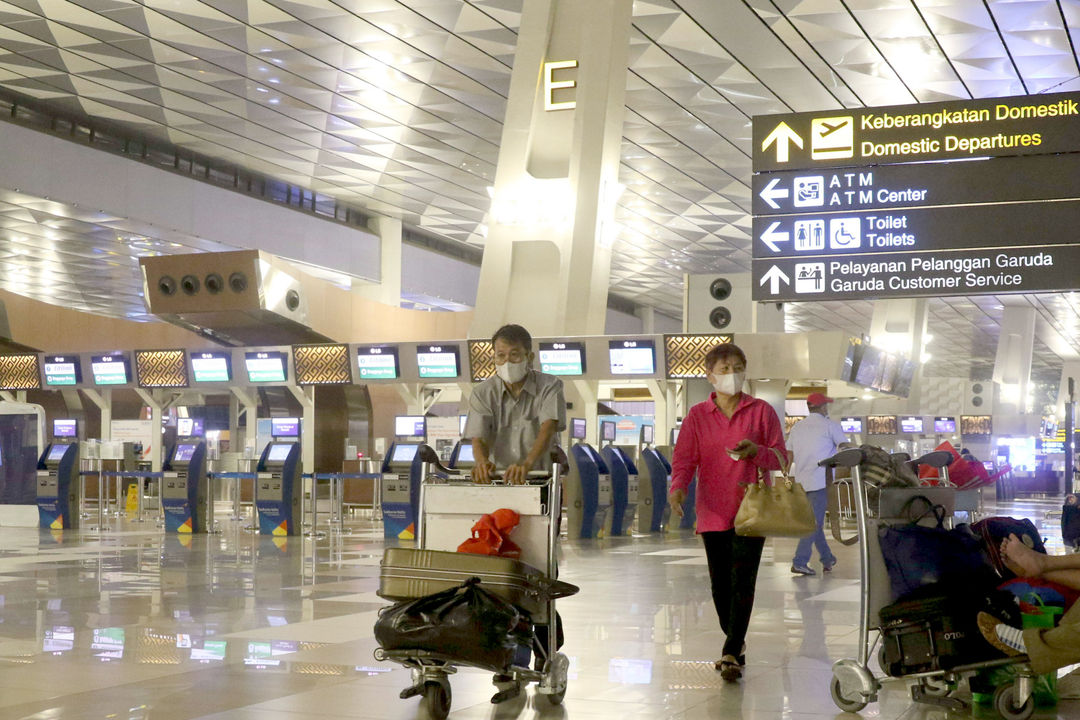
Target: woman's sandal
729	668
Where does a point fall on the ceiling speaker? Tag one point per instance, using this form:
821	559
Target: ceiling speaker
189	284
720	317
214	283
720	289
166	285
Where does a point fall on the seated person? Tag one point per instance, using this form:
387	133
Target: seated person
1047	648
513	420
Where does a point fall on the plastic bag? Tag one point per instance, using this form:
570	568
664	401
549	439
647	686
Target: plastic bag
466	623
489	535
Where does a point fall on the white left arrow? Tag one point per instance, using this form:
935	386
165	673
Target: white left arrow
770	193
774	277
770	237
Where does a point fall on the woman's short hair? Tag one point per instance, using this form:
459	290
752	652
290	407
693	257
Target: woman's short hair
514	335
723	351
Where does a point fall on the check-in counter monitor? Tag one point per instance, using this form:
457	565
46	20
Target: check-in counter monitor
58	487
401	490
462	459
588	492
184	487
625	495
278	489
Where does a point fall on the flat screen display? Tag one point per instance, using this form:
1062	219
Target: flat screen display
647	432
285	427
409	426
911	424
58	639
437	361
109	642
56	452
577	428
208	650
62	370
64	428
269	366
881	424
607	431
904	376
851	424
976	425
867	373
944	424
632	357
465	454
562	358
184	452
189	427
110	369
404	452
213	366
377	362
461	427
279	452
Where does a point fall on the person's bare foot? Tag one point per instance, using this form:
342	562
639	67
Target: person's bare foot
1021	559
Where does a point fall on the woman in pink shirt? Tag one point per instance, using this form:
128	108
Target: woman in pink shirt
725	440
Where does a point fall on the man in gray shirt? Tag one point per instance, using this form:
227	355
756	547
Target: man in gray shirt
514	415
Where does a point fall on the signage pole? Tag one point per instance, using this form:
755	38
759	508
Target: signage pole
1070	439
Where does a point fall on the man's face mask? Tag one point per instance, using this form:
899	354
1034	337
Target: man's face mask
512	372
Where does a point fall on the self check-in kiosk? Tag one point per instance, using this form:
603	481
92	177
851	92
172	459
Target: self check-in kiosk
58	486
624	488
184	488
689	518
462	459
278	489
401	472
588	488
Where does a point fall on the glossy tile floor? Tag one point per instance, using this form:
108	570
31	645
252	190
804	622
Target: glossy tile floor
131	624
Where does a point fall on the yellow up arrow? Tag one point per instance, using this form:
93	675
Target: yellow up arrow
781	135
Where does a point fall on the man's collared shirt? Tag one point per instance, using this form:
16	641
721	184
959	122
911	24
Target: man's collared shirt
509	426
811	440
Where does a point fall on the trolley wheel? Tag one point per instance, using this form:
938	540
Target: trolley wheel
437	696
1005	704
557	697
842	702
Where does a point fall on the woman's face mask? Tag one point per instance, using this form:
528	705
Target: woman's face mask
730	383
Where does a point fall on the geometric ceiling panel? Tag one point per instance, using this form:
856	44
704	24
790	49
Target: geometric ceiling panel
397	107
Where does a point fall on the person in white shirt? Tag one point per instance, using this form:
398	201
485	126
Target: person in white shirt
811	440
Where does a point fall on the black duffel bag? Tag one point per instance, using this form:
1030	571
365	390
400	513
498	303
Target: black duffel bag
467	624
916	555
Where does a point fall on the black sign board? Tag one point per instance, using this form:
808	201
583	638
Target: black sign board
1008	179
917	274
934	228
1023	125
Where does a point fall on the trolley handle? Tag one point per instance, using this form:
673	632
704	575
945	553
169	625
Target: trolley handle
845	458
936	459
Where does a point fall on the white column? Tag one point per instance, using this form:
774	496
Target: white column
388	291
1012	365
547	256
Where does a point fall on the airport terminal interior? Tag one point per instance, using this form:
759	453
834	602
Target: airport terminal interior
252	257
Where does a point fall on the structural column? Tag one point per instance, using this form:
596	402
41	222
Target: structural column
388	291
548	252
1012	365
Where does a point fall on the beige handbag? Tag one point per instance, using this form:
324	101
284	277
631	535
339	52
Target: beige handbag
777	510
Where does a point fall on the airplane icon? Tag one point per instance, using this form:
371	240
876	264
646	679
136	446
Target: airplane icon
830	129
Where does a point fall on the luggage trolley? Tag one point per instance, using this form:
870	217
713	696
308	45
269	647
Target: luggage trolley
449	505
854	685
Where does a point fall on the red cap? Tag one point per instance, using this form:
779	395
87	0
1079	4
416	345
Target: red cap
817	400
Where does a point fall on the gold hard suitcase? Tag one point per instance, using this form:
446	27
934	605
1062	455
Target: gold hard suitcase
407	573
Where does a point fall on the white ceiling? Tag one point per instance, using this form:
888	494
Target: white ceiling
397	106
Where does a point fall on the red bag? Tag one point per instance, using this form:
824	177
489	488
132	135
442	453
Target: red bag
961	471
489	535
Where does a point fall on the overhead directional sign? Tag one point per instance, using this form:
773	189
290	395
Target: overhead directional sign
1055	222
993	180
917	274
1023	125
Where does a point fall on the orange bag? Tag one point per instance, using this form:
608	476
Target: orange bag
961	470
489	535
